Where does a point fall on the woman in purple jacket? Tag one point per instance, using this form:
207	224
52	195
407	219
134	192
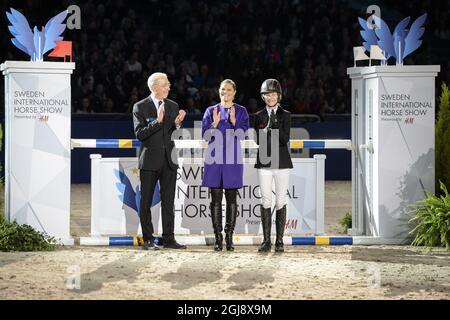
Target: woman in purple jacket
223	126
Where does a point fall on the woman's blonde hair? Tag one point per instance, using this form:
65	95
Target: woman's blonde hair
228	81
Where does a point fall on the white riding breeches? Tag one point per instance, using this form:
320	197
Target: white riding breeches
281	177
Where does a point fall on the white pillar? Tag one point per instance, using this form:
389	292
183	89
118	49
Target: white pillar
37	153
96	184
320	193
393	115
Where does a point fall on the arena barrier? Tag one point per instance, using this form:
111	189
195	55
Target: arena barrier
98	215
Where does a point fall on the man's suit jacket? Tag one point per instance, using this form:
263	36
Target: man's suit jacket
156	144
284	126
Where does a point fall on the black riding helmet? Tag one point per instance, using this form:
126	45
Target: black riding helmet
271	85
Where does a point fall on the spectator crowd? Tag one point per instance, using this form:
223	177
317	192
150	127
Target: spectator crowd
307	45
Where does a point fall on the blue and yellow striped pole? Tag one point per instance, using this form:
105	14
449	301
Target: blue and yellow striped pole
204	240
250	144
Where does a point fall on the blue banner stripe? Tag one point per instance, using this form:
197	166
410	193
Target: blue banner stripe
341	240
314	144
121	241
136	143
299	241
107	143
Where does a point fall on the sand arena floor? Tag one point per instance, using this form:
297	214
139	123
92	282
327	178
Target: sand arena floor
308	272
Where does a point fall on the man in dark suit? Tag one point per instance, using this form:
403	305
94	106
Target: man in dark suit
155	118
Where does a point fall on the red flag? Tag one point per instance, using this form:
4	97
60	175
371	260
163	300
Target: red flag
62	49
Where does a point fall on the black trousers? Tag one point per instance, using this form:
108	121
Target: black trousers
167	179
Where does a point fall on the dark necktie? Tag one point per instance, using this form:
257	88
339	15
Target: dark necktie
159	106
273	119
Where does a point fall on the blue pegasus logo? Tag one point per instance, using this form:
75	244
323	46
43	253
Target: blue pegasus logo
399	44
35	43
131	197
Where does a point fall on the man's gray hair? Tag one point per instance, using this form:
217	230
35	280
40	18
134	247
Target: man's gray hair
154	78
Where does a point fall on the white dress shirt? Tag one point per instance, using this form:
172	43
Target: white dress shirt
269	111
158	110
156	103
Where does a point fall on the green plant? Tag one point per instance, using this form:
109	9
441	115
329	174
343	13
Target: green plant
346	221
2	195
17	237
443	139
432	220
2	218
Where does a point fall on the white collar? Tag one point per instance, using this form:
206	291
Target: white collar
274	109
155	101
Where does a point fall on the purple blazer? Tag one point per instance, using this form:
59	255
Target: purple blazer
223	166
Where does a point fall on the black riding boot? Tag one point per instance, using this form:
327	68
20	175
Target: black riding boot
266	222
216	217
230	223
280	223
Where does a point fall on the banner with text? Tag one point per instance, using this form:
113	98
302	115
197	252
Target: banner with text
116	193
38	114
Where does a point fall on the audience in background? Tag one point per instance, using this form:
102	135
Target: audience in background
305	44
